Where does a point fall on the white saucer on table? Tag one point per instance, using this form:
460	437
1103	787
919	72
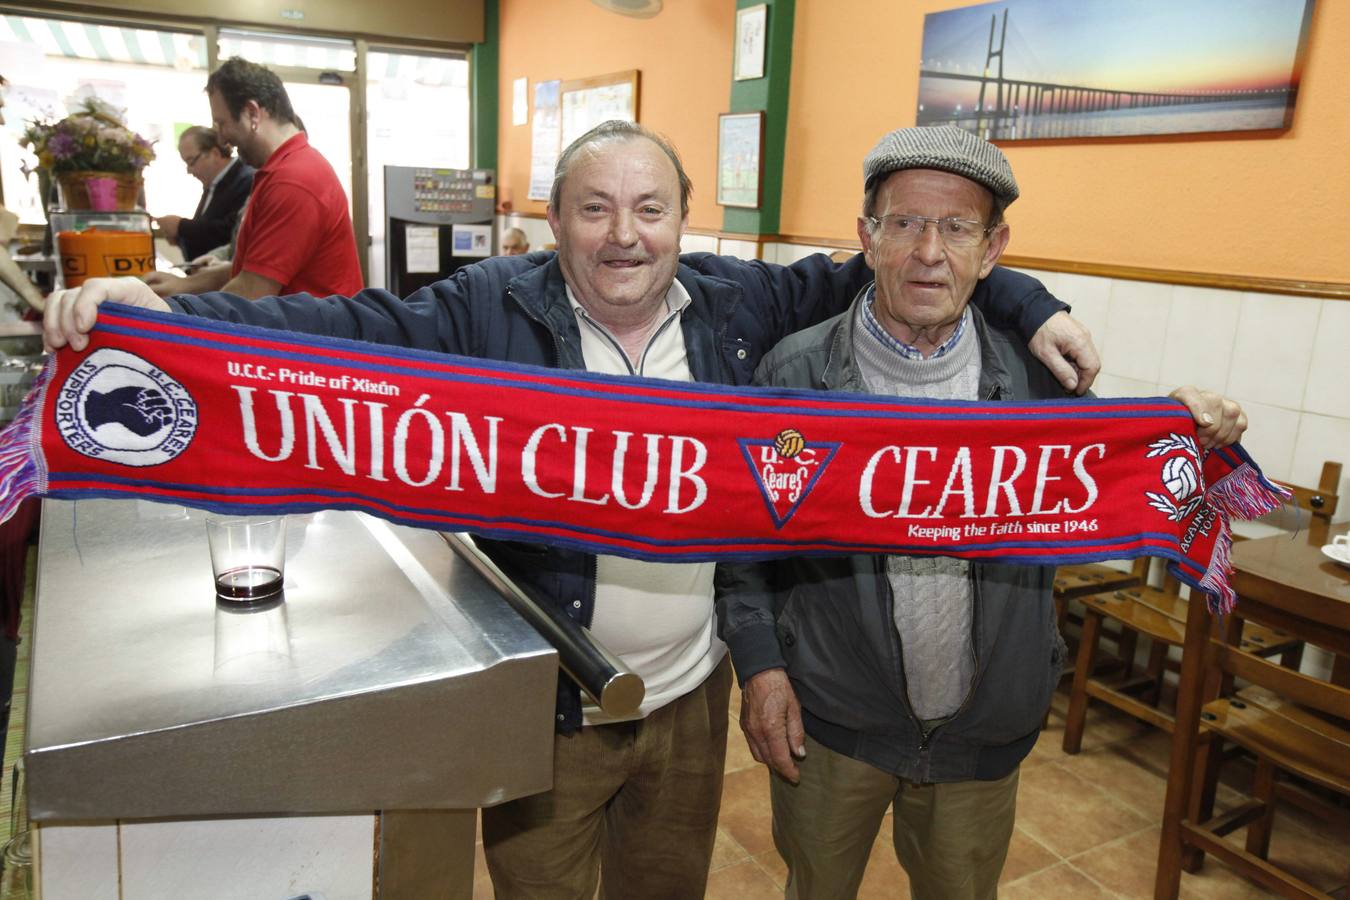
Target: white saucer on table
1339	553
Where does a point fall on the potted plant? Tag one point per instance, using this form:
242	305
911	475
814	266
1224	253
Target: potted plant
94	157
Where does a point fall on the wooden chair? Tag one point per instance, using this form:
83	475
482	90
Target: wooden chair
1073	583
842	256
1158	614
1290	722
1319	502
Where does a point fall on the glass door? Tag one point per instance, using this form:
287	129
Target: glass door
417	106
319	75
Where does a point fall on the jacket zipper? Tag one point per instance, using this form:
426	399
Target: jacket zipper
885	582
974	645
592	576
975	651
623	354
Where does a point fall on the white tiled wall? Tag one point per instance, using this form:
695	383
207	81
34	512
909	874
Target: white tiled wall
1285	359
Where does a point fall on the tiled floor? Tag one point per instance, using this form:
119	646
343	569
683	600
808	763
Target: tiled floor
1087	826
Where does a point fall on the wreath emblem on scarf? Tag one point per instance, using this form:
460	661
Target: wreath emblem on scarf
1180	476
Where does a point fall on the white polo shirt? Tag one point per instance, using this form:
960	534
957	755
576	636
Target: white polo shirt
656	617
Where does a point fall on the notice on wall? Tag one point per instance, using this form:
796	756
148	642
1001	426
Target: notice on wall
471	240
546	138
520	101
423	248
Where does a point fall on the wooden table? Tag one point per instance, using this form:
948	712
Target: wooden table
1286	576
1286	582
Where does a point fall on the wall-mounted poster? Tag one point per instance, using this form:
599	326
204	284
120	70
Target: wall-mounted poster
1028	69
739	138
544	139
751	31
586	102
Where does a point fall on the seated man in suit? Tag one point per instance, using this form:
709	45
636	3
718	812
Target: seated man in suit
226	180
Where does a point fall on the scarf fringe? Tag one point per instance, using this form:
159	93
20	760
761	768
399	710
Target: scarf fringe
1245	493
1218	592
22	474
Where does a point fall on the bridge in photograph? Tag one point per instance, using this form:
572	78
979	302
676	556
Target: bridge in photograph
1017	96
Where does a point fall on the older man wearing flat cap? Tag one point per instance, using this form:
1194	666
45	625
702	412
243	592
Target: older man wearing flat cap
920	682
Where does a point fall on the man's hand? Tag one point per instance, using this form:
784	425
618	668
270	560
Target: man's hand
70	314
205	260
210	276
1219	421
165	284
168	226
771	718
1066	348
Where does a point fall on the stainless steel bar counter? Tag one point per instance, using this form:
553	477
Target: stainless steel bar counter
390	677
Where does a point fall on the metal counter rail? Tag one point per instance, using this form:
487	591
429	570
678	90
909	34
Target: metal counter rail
613	686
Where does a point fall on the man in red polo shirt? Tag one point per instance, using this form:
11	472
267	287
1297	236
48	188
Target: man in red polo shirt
296	235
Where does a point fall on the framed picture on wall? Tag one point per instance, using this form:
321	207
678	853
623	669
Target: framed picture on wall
751	31
1084	70
740	137
586	102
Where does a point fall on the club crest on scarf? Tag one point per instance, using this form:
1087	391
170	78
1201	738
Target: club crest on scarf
1180	475
118	407
786	468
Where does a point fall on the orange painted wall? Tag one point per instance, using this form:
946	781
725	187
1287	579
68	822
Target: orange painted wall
684	54
1270	206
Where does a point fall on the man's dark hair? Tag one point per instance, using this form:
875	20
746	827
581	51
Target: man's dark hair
238	81
619	130
206	140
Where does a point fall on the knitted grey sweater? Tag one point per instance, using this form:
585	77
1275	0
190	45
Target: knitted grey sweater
932	595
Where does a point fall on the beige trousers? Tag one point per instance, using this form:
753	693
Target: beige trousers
951	839
633	806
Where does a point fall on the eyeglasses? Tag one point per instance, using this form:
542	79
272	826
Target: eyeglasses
906	229
189	163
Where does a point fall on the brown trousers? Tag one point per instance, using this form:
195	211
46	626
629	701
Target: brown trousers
951	839
633	807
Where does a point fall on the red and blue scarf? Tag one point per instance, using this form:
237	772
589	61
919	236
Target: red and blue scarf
242	420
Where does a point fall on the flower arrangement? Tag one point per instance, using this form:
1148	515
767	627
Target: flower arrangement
92	138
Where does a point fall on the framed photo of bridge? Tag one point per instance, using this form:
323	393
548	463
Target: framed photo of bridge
1034	69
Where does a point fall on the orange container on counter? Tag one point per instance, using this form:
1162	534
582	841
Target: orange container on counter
99	253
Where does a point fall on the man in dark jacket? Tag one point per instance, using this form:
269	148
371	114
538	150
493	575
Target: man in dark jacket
638	798
922	681
226	181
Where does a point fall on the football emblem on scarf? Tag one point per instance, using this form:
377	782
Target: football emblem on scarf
119	407
1180	476
789	442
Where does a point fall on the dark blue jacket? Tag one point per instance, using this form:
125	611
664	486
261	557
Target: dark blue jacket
212	225
515	308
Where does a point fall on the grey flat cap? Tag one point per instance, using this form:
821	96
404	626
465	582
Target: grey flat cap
943	147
